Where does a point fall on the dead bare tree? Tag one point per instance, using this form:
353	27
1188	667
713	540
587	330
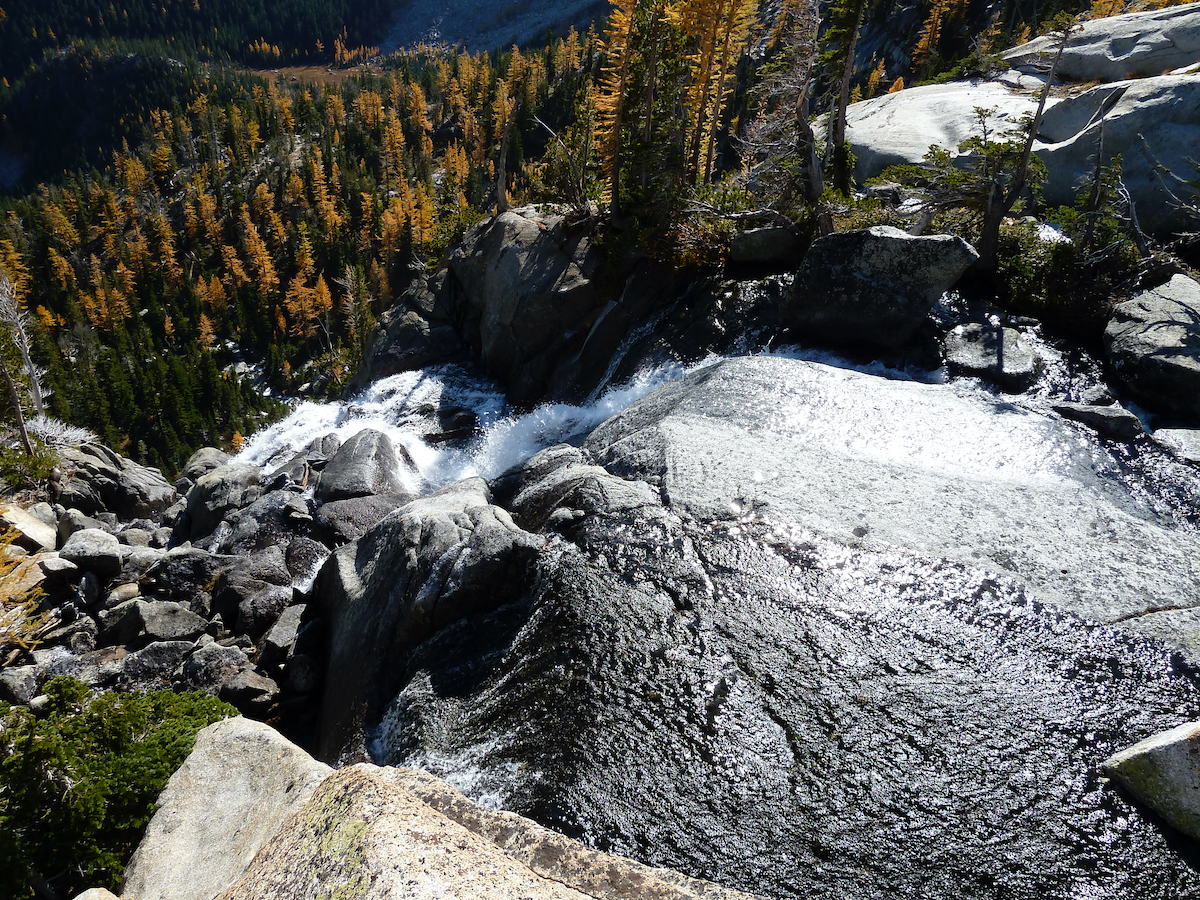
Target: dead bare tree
780	141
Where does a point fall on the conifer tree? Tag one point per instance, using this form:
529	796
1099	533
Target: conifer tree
845	20
610	99
781	140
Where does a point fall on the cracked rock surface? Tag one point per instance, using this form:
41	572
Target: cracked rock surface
727	671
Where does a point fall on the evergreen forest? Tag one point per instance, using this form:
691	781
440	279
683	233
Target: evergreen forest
189	242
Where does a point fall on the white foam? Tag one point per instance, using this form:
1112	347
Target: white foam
403	405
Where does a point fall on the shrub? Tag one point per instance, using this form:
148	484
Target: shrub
79	783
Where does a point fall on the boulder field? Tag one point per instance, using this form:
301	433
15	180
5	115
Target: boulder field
785	624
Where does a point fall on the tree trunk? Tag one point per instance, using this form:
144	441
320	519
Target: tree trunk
841	158
502	204
16	404
30	370
989	237
813	179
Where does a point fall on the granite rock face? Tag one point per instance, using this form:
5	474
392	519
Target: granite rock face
233	792
1163	772
790	632
873	286
428	564
899	128
1153	343
1115	48
250	815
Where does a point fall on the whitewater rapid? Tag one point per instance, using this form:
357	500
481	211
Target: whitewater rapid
404	408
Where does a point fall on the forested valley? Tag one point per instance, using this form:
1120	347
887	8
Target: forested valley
189	242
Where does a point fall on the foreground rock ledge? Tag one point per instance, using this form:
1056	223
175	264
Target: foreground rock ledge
1163	772
250	815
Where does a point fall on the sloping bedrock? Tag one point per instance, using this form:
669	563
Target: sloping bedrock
899	128
927	468
757	703
799	735
1118	47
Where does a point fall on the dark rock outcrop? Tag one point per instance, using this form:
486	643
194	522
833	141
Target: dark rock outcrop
1153	344
429	564
368	463
252	592
139	622
873	286
775	247
528	296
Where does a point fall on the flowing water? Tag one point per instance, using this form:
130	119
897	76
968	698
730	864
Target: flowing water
791	710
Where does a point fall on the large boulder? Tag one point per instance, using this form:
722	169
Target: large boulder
1163	772
389	843
94	550
252	592
219	809
873	286
528	296
1118	47
154	666
1113	422
250	815
101	480
146	621
368	463
427	565
993	352
32	532
199	464
219	492
1153	344
185	573
213	665
342	521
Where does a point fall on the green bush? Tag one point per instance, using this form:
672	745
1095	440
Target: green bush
78	783
1055	282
